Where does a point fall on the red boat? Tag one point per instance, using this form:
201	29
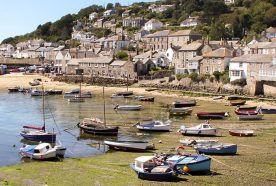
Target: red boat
246	112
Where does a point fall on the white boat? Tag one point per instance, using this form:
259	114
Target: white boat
128	107
204	129
155	126
129	145
117	96
42	151
251	117
191	142
38	93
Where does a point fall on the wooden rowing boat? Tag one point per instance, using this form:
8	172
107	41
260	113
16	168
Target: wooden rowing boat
237	102
241	133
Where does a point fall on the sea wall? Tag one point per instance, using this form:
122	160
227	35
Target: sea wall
19	62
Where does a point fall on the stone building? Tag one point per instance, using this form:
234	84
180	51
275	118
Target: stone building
122	69
157	40
182	37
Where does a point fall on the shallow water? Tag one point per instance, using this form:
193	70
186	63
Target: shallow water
19	109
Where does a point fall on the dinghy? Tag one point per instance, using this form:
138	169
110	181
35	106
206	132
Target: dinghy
241	133
147	168
38	93
129	145
42	151
246	107
148	99
180	111
267	110
180	104
212	115
251	117
246	112
191	142
128	107
84	95
204	129
217	148
75	99
155	126
237	102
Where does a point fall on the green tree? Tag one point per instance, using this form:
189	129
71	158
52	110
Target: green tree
109	6
217	75
122	55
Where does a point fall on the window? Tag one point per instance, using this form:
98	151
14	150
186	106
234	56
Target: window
240	65
96	65
207	69
235	73
103	65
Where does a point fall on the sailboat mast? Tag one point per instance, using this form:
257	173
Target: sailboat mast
43	107
80	84
104	108
127	83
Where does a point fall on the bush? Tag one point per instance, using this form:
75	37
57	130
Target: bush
181	76
239	82
217	75
225	77
193	76
122	55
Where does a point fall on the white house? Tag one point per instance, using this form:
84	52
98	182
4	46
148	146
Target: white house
108	13
153	24
62	59
191	22
229	2
93	15
6	50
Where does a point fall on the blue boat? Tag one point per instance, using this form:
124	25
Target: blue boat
267	110
217	148
38	135
146	169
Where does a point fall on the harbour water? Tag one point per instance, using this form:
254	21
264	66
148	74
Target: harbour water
19	109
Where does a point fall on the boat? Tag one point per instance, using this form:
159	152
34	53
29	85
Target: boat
79	97
147	169
39	133
267	110
149	99
54	92
128	107
251	117
212	115
72	93
117	96
38	93
97	127
180	111
14	89
190	164
151	89
154	126
35	83
217	97
241	133
42	151
230	98
191	142
180	104
124	93
217	148
76	99
129	145
246	107
204	129
237	102
246	112
84	95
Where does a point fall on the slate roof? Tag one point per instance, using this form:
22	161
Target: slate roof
221	52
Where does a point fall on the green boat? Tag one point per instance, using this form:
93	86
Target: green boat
247	107
180	111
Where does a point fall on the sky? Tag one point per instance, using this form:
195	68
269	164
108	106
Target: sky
18	17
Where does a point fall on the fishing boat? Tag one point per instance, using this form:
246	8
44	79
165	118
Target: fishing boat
230	98
251	117
241	133
148	169
154	126
246	107
190	164
42	151
191	142
148	99
84	95
14	89
204	129
38	93
128	107
246	112
237	102
267	110
38	133
212	115
76	99
54	92
97	127
217	97
217	148
180	111
72	93
180	104
129	145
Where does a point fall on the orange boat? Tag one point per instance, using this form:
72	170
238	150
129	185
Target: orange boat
237	102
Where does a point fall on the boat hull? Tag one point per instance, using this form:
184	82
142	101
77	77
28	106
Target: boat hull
246	112
237	102
268	111
194	132
164	176
209	116
127	145
227	150
241	133
108	131
165	128
44	138
184	104
250	117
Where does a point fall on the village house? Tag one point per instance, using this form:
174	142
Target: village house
270	32
80	53
238	67
116	42
217	60
93	16
193	64
140	34
62	59
158	40
258	48
182	37
6	50
153	24
191	22
270	48
122	69
184	54
143	66
108	13
126	13
134	22
82	36
159	8
99	23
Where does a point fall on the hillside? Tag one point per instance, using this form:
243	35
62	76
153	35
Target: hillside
241	20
